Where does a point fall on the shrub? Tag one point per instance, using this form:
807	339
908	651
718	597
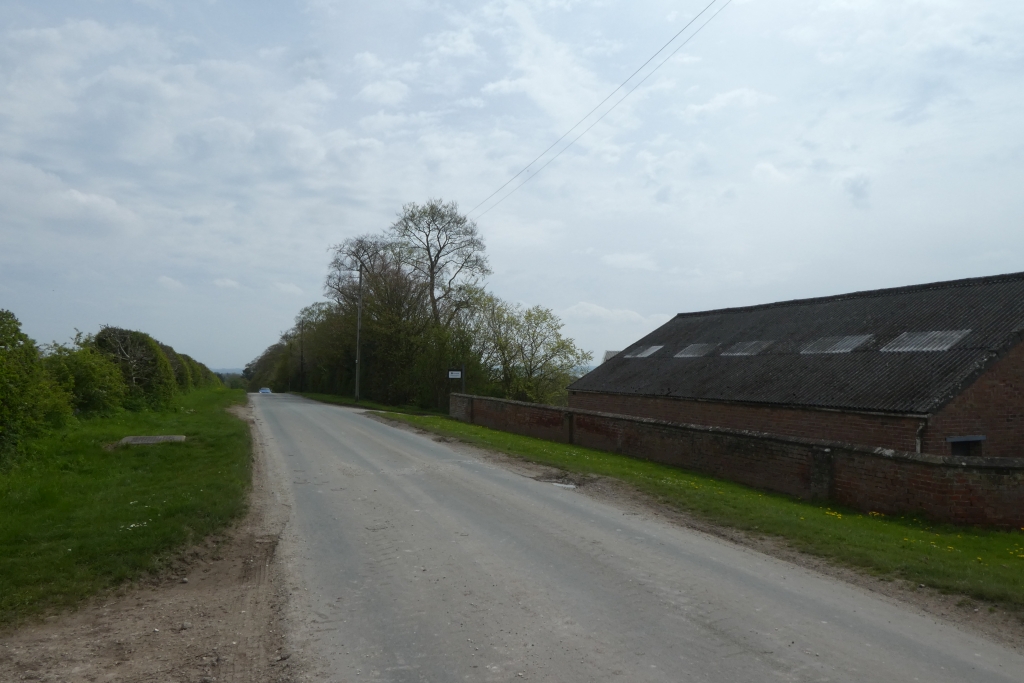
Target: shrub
182	373
147	372
92	378
29	399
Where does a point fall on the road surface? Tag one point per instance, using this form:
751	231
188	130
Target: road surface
414	561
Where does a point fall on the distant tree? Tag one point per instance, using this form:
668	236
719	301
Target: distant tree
526	352
445	250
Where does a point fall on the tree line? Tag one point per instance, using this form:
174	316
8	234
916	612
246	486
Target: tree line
420	284
115	369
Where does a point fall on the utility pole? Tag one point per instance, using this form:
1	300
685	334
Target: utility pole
302	364
359	326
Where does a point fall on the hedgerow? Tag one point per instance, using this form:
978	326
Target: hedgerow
116	369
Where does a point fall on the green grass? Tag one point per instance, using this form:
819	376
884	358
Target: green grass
979	563
76	518
363	403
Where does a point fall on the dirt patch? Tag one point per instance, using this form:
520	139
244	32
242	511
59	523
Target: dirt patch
989	620
215	613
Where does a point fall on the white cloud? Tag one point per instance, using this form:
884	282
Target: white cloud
586	311
630	261
288	288
767	172
226	283
390	92
135	143
169	283
741	98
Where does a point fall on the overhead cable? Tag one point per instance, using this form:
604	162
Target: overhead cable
602	102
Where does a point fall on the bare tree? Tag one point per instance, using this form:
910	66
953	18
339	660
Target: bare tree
444	248
375	255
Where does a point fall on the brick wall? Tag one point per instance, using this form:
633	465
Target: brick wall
885	431
985	491
993	406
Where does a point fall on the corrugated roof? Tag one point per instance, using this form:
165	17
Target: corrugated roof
905	350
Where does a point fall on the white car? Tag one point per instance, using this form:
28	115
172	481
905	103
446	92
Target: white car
266	390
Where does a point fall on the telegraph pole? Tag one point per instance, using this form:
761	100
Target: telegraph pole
302	364
359	326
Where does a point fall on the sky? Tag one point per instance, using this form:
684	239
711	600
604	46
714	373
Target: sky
183	167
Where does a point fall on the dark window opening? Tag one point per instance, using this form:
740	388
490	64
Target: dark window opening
966	446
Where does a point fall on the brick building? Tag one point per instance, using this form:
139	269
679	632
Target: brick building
936	369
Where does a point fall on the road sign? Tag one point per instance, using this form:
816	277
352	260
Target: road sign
455	374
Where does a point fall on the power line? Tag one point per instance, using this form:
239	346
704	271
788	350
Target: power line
610	109
577	124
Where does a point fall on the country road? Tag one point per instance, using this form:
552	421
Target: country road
412	560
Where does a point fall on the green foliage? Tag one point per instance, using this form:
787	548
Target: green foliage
232	380
981	563
200	376
30	400
525	352
182	370
92	378
78	518
147	373
424	310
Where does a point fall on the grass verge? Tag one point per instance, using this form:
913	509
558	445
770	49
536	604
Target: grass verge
363	403
979	563
78	518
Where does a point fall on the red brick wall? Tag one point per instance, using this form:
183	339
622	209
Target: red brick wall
992	406
899	433
978	491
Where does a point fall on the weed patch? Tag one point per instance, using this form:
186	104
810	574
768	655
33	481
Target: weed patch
79	515
979	563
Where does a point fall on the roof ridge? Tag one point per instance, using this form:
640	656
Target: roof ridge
865	294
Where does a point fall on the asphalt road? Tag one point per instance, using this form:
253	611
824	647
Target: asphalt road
415	562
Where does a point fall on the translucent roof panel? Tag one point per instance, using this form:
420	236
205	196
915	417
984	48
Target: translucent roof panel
643	352
696	350
935	340
747	348
837	344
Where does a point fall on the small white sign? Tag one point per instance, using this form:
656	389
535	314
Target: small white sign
455	374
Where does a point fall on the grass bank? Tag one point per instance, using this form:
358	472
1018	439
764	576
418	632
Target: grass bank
76	518
363	403
978	563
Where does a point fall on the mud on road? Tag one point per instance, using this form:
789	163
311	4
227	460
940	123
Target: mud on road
215	614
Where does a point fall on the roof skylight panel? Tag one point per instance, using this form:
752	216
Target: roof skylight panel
696	350
837	344
935	340
643	352
748	348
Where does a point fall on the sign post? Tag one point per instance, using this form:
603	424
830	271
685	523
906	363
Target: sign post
458	373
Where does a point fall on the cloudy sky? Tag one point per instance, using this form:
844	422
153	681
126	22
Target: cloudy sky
182	166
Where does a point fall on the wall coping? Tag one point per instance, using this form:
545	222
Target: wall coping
982	463
763	404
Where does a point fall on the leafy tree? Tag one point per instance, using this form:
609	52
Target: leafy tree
30	400
147	372
526	352
182	371
92	378
444	249
424	310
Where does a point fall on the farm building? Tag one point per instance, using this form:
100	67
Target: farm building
936	369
